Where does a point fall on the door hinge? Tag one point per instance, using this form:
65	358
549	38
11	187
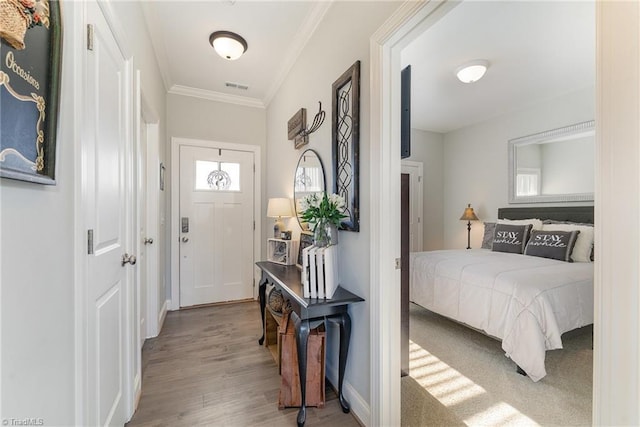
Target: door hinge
254	225
89	36
90	242
398	263
419	178
254	168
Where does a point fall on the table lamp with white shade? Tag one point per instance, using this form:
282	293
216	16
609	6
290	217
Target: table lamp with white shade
279	208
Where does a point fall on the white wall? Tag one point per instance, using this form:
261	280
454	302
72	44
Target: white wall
475	160
427	147
37	251
340	40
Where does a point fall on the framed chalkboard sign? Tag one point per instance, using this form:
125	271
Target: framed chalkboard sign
31	51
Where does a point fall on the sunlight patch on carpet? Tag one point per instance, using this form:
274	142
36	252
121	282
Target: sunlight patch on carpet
453	389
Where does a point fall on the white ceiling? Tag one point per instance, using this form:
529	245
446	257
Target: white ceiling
275	31
537	51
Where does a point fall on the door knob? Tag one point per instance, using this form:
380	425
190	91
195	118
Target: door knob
148	241
185	239
126	258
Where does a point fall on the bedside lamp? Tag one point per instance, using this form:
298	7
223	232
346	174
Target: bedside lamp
469	215
279	208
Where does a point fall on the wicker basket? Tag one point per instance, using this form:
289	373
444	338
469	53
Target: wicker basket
13	23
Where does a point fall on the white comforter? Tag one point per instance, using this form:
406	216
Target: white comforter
525	301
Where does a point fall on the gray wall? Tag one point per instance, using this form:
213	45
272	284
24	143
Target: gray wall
37	248
475	160
197	118
427	147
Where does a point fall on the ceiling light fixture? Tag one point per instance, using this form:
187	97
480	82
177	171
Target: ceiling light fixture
472	71
228	45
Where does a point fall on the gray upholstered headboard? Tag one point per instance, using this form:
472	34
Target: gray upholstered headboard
582	214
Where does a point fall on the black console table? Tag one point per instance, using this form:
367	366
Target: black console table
309	313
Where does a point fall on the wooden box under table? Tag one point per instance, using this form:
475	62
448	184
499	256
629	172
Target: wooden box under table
272	322
290	379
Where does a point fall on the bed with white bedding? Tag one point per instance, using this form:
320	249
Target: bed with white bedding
526	301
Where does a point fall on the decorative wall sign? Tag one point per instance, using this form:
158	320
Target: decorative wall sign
296	126
346	144
297	123
31	38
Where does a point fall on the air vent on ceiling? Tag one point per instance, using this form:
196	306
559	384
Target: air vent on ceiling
236	85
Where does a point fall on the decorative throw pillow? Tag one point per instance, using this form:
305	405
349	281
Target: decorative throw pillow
535	222
583	249
510	238
552	244
487	239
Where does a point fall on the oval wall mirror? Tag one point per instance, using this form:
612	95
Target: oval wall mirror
308	179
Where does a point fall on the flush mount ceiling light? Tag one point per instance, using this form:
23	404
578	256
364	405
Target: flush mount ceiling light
472	71
229	45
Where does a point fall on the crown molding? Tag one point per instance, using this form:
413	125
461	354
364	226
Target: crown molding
300	40
216	96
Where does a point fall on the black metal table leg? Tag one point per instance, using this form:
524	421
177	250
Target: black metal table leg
302	337
262	289
344	320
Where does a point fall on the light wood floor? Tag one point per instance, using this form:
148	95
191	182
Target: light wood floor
206	368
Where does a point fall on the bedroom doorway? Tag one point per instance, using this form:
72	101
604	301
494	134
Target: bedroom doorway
392	39
474	127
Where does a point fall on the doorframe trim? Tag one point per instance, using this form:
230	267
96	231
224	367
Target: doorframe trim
385	45
176	143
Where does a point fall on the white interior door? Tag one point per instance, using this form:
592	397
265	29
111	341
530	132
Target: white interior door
109	213
414	169
216	225
143	239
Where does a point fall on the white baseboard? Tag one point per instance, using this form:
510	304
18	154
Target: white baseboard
359	406
163	314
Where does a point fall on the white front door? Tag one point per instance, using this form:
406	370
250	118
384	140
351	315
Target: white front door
109	218
216	225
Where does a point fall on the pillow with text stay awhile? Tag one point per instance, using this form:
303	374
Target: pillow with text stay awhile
552	244
510	238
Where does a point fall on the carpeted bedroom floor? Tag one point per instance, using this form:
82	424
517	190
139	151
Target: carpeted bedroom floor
460	377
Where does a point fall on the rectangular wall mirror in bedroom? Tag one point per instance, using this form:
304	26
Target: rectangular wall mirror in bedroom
553	166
